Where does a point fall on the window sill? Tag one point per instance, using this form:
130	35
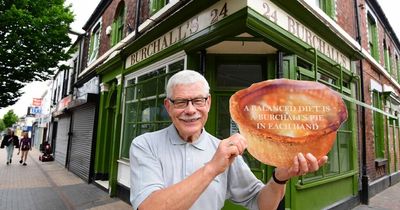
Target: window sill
380	162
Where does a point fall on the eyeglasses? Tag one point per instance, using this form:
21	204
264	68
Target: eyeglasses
183	103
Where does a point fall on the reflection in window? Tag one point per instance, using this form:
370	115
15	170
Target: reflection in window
238	75
328	6
118	24
144	109
372	37
94	43
155	5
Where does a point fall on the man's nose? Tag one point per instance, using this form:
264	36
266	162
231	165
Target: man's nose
190	108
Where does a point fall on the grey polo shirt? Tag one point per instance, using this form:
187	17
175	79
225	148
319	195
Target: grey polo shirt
160	159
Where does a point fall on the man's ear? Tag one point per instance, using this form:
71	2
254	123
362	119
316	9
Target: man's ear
167	104
209	102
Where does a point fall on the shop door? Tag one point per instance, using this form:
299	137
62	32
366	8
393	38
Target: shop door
231	74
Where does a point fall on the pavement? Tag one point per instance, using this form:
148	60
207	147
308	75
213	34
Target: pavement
385	200
48	186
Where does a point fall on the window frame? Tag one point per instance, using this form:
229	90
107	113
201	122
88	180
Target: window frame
94	44
305	71
156	5
118	24
132	81
387	55
378	124
373	36
396	57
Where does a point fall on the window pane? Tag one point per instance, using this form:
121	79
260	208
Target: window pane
344	139
148	111
163	114
156	5
129	135
130	93
327	78
238	75
152	74
144	128
333	160
177	66
130	112
144	111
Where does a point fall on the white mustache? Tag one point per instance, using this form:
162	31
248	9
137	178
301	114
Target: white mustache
187	118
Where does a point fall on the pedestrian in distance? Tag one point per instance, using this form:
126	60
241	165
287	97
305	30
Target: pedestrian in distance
184	167
25	145
9	141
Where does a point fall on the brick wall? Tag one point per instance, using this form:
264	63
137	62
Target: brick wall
345	15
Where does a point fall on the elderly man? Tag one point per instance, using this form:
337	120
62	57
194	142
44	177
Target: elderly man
184	167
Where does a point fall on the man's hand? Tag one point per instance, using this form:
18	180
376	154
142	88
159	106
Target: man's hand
226	153
301	166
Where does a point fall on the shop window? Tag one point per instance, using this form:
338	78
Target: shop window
94	43
373	37
340	156
118	24
327	79
144	103
304	64
155	5
378	125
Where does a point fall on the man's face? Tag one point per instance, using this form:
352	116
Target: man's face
190	120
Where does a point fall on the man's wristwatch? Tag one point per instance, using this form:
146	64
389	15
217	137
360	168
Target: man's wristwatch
277	180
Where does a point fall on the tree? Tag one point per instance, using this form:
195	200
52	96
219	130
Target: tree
33	39
2	126
10	118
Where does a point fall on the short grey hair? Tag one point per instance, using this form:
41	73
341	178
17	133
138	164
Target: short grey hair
186	77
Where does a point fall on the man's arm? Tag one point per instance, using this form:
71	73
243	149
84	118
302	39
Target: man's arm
183	194
273	192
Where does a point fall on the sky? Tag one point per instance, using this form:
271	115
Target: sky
391	9
84	8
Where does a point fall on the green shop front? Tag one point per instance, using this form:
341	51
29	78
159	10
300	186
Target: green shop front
234	44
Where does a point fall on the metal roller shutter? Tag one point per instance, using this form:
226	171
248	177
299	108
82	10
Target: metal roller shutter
62	140
81	142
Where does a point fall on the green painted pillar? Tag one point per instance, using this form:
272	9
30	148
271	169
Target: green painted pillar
98	164
117	136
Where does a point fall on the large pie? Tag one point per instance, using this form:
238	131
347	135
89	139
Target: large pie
281	118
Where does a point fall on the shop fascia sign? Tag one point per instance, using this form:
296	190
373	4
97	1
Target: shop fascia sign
221	10
202	20
290	24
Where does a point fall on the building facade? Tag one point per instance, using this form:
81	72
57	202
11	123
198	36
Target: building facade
132	47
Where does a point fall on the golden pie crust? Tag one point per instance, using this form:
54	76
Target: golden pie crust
281	118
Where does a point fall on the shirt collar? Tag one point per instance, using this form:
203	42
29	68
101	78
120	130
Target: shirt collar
175	139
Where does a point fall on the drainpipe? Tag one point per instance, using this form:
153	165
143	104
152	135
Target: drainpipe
364	197
137	18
